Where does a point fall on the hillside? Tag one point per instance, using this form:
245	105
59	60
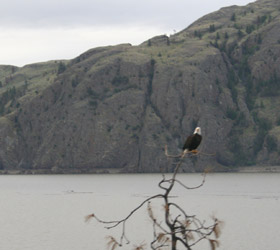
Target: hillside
112	109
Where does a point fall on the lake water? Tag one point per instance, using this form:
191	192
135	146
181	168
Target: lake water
46	212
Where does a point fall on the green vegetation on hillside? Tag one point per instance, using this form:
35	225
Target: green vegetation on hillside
115	107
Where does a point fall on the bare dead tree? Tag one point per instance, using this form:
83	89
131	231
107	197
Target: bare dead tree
177	227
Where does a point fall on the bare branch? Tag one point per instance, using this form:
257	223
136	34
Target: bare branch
184	243
163	181
117	222
179	208
123	236
182	155
171	156
178	227
195	187
204	235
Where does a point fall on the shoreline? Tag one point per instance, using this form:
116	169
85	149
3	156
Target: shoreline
252	169
259	169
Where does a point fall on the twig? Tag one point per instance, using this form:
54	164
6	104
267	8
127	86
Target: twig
171	156
196	187
117	222
184	153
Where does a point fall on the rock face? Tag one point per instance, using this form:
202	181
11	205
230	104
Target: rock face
112	109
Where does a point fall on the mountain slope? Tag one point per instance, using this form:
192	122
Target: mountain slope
114	108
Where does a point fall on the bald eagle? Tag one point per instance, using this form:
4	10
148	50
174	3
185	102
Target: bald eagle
193	141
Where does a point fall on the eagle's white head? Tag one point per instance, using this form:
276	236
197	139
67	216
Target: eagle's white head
197	130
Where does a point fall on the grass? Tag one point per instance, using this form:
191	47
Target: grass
29	80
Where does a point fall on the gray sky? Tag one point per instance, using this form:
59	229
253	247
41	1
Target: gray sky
41	30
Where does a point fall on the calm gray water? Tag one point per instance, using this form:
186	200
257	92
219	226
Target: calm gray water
47	212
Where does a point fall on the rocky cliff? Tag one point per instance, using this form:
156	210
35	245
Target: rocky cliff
112	109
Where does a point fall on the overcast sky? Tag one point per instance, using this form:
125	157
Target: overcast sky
41	30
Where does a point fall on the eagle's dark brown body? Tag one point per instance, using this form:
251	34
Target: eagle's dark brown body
193	140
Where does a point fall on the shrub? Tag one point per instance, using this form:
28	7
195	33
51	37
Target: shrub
212	28
61	68
93	103
92	93
264	124
261	19
120	80
240	33
198	34
226	36
75	83
231	113
250	28
271	142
